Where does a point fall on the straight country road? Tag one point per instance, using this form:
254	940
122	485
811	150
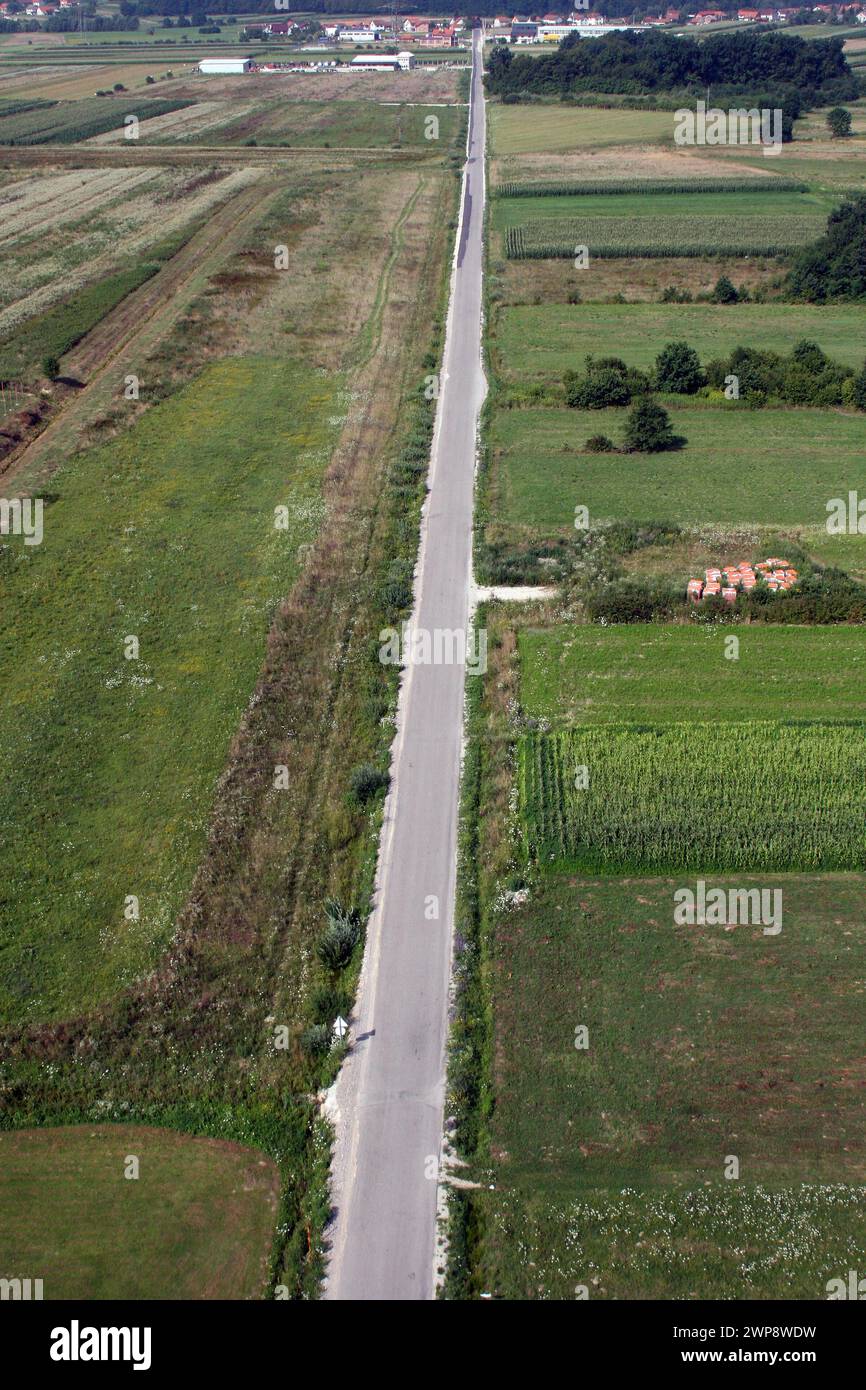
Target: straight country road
389	1098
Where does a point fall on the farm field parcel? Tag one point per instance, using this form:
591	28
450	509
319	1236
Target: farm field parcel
199	1208
730	469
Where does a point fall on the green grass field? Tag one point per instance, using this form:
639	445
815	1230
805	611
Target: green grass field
671	1081
167	534
537	342
196	1223
702	1043
772	467
725	1241
662	674
540	129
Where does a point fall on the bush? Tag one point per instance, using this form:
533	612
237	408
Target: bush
600	444
678	368
342	934
648	429
636	601
316	1039
329	1002
396	591
51	367
599	388
833	268
858	389
366	782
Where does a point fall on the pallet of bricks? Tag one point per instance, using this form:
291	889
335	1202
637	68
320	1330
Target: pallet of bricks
778	575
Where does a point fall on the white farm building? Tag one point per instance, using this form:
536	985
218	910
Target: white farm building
213	66
383	62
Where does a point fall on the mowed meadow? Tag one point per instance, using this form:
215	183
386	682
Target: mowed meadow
770	467
166	538
659	1106
197	1214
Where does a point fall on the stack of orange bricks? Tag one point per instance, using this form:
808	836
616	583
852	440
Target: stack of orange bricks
776	573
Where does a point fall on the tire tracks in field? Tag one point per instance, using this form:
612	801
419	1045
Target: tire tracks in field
371	334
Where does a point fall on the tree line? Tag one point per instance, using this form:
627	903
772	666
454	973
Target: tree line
795	73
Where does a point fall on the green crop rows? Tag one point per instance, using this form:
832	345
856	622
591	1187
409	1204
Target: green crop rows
67	122
659	236
759	796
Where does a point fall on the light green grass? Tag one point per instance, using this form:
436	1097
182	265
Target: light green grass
727	1240
540	129
772	467
842	172
589	675
196	1223
167	534
544	341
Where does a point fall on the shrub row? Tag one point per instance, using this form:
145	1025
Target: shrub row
819	599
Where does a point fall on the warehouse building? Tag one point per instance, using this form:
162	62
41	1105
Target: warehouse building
213	66
382	62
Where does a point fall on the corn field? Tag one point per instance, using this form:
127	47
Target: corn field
64	123
16	108
608	237
705	797
565	188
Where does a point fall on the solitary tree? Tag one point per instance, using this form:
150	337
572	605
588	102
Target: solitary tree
648	428
839	121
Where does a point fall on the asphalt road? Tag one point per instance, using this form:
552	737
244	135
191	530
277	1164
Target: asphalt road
388	1102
